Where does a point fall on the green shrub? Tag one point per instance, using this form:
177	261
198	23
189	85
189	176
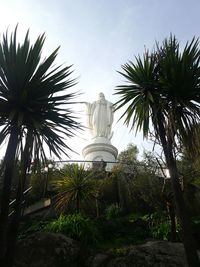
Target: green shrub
162	231
122	232
75	226
196	229
37	181
113	211
30	226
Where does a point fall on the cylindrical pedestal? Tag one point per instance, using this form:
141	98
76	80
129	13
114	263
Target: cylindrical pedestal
100	151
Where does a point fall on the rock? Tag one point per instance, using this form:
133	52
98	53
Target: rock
47	250
57	250
152	254
99	260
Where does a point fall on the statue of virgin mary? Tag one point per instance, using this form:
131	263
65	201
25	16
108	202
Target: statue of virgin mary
100	117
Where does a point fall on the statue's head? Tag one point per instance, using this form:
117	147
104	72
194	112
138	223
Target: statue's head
101	96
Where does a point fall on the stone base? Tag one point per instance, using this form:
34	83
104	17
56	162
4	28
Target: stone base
98	152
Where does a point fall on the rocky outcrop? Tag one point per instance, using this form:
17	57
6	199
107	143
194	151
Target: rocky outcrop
152	254
56	250
47	250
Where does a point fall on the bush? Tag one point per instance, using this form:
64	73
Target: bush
162	231
75	226
160	227
113	211
31	226
37	181
122	232
196	229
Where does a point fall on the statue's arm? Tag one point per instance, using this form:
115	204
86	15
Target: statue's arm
111	113
83	103
89	107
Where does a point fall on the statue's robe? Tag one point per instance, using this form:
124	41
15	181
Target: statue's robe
100	118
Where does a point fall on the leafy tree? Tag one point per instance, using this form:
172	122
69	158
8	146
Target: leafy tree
125	170
127	161
34	110
164	89
146	193
129	154
189	169
138	183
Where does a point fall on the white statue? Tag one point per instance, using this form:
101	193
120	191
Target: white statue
100	117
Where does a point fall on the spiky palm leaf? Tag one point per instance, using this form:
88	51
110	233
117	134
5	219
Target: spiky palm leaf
33	94
34	109
179	83
140	94
74	187
164	83
164	88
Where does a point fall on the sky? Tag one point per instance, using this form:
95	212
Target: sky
97	37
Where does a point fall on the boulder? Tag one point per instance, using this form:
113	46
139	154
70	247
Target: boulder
152	254
47	250
98	260
57	250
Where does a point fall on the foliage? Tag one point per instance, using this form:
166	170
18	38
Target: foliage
189	170
141	185
75	226
29	95
74	186
122	232
108	190
40	181
151	163
113	211
159	226
35	110
31	226
146	193
129	154
196	220
37	181
163	231
156	83
157	94
119	252
127	161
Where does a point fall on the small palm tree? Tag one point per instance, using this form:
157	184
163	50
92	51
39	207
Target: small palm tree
74	187
34	110
164	89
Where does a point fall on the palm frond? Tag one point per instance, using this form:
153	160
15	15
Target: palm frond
164	82
35	95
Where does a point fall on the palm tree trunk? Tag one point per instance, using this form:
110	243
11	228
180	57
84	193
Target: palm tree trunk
13	229
97	205
118	189
14	225
172	216
77	204
188	240
8	163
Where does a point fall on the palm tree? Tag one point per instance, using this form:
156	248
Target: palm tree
164	89
74	187
34	110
